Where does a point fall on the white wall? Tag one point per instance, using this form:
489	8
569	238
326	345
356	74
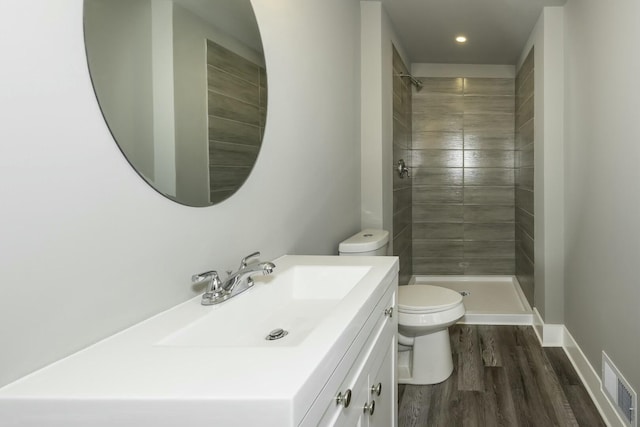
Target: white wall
371	131
87	248
378	37
602	151
547	38
111	47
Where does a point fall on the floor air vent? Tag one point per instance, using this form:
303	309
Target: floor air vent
619	392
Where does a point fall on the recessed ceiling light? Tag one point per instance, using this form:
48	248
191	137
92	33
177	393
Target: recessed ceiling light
461	39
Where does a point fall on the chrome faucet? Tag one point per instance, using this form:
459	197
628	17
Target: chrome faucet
236	283
214	290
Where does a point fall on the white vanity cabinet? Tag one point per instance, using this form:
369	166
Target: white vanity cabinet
340	316
363	390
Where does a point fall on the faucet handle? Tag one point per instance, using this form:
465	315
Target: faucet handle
214	283
243	263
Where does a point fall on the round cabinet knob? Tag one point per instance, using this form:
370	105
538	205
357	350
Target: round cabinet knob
376	389
388	312
344	399
370	407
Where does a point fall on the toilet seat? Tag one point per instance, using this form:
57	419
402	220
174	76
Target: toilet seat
425	299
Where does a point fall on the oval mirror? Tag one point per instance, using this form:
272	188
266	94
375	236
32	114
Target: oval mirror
182	87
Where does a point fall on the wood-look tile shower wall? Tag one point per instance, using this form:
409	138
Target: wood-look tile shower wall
402	223
237	100
524	177
463	186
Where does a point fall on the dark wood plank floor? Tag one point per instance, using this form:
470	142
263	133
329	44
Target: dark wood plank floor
501	377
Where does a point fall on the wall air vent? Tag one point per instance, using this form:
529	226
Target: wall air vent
619	392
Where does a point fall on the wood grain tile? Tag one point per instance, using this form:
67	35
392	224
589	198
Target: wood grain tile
491	86
527	65
438	248
489	123
497	231
526	178
525	242
438	104
525	134
414	406
437	158
524	199
525	90
441	85
438	265
222	82
488	159
224	177
488	105
470	366
489	249
489	176
229	61
437	195
438	122
488	214
489	266
527	156
498	403
484	195
225	154
521	384
438	230
229	108
525	113
438	176
438	140
402	198
489	140
235	132
437	213
490	346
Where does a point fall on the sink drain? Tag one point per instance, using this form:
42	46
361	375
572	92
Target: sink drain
276	334
465	293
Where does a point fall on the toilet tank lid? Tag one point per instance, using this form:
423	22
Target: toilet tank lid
365	241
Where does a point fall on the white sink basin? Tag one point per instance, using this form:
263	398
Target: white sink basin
211	365
295	299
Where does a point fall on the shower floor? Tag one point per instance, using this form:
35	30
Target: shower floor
488	300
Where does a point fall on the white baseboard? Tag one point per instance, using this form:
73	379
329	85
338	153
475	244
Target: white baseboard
550	335
559	336
591	381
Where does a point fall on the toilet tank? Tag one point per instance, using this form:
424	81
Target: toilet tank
366	243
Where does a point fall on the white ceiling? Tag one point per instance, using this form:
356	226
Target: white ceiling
497	30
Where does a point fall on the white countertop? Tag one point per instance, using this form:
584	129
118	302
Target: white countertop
134	374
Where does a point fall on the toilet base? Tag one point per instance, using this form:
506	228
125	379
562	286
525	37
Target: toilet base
429	362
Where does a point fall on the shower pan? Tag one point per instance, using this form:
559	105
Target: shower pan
488	300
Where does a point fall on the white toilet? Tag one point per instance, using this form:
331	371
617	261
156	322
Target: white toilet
424	315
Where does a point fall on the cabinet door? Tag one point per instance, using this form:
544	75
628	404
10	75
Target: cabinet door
375	355
386	407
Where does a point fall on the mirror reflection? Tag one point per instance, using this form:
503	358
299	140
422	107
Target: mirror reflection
182	87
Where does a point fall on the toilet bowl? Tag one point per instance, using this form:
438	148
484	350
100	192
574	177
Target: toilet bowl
425	313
